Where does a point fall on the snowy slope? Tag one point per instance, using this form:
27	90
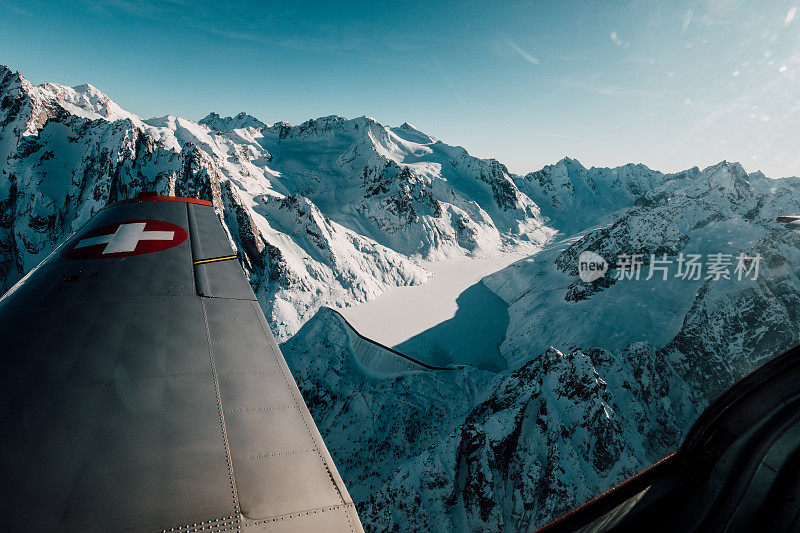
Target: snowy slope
721	209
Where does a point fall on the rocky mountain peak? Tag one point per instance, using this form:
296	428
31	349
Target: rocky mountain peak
10	78
242	120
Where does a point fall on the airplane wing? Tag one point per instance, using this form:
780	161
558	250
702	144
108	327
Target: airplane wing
737	470
142	389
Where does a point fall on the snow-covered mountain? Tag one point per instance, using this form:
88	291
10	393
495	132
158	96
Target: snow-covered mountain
603	378
330	212
572	197
471	450
721	209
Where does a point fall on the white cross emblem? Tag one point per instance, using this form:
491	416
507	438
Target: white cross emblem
126	238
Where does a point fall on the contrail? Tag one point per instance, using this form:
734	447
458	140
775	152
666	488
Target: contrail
525	55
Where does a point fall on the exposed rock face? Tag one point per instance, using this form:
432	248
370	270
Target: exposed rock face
240	121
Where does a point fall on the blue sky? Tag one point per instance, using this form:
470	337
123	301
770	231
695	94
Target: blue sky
524	82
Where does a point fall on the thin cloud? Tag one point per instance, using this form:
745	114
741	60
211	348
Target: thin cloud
321	45
687	19
616	40
16	10
592	86
790	16
404	47
522	53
